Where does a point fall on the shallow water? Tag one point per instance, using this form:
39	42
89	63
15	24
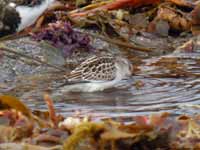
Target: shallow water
173	87
163	83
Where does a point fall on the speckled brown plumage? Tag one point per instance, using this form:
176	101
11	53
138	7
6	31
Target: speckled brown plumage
96	68
97	73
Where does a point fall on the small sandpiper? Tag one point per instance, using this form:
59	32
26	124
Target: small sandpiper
98	73
14	17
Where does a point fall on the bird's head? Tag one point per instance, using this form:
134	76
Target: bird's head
124	66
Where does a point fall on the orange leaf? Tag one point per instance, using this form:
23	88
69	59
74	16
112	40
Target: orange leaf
116	5
7	101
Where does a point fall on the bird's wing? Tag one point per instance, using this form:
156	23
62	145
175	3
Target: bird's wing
96	68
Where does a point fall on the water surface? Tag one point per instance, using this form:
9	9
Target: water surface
164	83
171	86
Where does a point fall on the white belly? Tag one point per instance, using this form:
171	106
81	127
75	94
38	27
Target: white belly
89	87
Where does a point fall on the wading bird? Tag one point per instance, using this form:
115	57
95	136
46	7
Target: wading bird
98	73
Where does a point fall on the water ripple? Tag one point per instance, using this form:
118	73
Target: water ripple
158	93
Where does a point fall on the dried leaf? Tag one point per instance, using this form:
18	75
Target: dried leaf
111	5
185	3
8	134
12	102
80	2
175	19
82	132
117	134
17	146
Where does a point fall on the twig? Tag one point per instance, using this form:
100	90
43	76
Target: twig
89	7
52	113
5	48
112	5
